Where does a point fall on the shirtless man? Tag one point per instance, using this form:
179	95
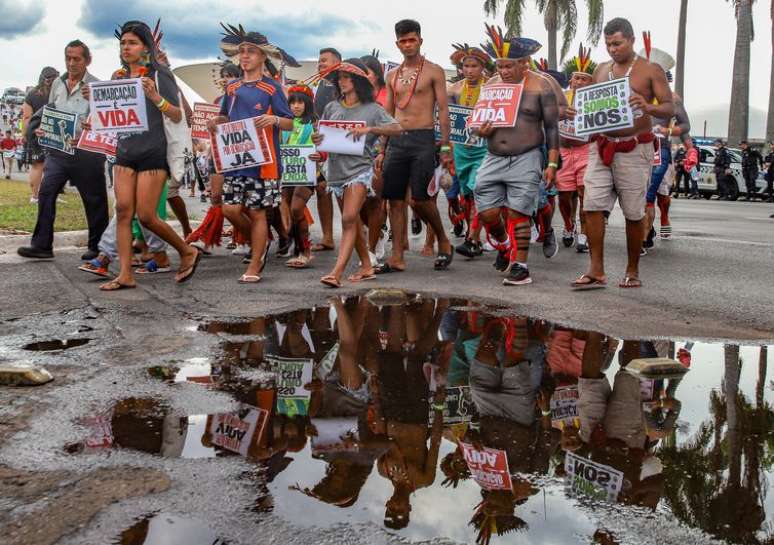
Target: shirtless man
413	90
619	166
665	128
511	172
468	157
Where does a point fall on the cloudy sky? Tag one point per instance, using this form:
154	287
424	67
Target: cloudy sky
33	33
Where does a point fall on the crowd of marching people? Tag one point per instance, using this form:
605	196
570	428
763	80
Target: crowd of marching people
502	183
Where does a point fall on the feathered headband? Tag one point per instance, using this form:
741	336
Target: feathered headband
657	56
331	73
542	66
463	51
301	88
512	48
234	36
580	64
155	33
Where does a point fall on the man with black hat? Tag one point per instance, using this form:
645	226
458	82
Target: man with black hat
723	170
752	162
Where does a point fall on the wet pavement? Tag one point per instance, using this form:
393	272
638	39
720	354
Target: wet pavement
381	419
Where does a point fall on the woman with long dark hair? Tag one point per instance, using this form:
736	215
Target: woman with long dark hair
141	158
33	153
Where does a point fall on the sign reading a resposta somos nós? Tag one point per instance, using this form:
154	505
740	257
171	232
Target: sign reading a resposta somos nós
603	107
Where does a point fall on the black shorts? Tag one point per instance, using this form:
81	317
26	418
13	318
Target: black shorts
33	152
410	159
154	159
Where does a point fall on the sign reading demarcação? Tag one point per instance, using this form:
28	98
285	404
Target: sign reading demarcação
603	107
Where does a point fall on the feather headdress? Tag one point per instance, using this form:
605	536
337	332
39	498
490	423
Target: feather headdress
233	36
656	55
332	73
510	48
156	33
463	51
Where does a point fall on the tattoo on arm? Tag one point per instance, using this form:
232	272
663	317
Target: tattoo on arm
550	116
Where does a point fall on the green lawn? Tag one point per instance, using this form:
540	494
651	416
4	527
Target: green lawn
19	214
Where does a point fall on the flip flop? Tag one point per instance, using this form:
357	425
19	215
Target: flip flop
152	267
300	262
189	272
115	285
320	247
592	284
386	268
443	261
95	267
360	277
330	281
249	279
630	282
203	250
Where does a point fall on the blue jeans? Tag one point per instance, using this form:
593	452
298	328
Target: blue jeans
658	173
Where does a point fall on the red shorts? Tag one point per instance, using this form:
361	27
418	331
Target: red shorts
574	162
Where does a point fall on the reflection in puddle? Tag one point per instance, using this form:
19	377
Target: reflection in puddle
438	418
57	344
165	529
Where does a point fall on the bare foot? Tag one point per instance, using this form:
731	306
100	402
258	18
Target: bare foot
427	251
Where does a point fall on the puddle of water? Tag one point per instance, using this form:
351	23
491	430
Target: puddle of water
166	529
56	344
438	418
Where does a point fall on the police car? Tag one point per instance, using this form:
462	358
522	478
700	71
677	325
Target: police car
708	185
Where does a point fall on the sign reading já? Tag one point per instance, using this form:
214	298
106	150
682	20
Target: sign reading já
238	145
118	106
498	104
603	107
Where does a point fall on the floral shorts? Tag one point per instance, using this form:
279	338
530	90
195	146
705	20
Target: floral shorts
251	192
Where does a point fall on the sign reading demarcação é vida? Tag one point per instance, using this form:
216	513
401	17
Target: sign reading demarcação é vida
297	168
488	467
118	106
238	144
498	103
59	129
603	107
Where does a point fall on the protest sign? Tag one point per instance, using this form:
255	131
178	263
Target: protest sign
202	113
588	478
459	132
239	145
567	126
335	435
498	103
293	374
59	129
603	107
458	405
235	431
564	405
488	467
118	106
297	168
336	139
96	142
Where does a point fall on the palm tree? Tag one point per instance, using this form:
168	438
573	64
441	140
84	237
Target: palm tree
557	15
739	111
680	70
770	123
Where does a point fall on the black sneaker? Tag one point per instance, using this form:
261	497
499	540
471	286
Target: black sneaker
568	238
469	249
550	248
503	261
518	276
459	230
648	244
35	253
284	248
88	255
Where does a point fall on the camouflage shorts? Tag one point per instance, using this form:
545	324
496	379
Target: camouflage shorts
251	192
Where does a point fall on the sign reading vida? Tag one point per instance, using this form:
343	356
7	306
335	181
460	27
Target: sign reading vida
603	107
239	145
118	106
498	103
488	467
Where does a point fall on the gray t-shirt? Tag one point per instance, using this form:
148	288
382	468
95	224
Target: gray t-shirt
345	167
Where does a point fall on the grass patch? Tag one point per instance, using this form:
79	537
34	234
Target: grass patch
18	213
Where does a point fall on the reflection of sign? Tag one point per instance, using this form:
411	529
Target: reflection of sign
334	435
235	431
297	168
104	142
59	129
100	430
588	478
118	106
603	107
292	377
239	145
498	103
564	405
202	113
488	467
458	405
459	133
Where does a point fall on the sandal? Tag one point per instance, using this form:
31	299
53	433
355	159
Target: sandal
249	279
586	282
95	266
330	281
115	285
189	271
300	262
443	261
361	277
630	282
386	268
320	247
152	267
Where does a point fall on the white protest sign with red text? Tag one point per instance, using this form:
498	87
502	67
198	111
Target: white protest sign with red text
488	467
238	145
236	431
498	103
202	113
118	106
